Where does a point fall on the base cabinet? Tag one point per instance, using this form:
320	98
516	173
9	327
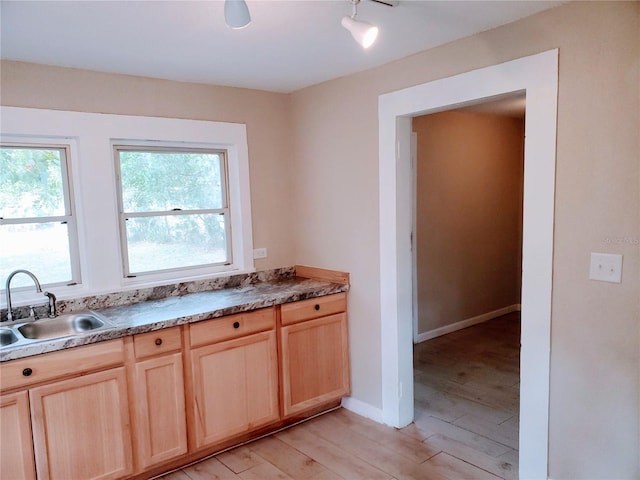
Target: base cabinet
315	363
81	427
235	387
157	396
129	408
161	427
16	448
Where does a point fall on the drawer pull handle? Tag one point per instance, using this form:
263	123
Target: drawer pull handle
158	341
236	324
27	372
317	307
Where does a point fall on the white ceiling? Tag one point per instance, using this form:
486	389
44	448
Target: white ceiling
290	44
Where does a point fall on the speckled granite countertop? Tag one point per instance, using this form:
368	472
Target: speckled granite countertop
178	308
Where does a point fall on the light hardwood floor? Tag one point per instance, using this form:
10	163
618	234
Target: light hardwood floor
466	423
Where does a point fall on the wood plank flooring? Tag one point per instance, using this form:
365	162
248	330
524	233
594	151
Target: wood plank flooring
466	423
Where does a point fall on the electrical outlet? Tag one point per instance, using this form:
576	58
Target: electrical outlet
259	253
606	267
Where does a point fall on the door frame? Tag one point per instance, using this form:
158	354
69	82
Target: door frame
537	77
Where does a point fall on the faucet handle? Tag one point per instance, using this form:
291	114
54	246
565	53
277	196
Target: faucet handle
52	304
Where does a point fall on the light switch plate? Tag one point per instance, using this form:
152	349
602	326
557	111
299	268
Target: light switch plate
606	267
259	253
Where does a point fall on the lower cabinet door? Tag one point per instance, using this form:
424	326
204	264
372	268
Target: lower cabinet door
16	449
235	387
81	427
315	363
161	425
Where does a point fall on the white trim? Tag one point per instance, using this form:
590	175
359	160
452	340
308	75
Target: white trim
537	76
414	235
363	409
453	327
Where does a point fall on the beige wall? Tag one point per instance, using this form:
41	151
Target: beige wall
468	215
314	178
265	114
595	383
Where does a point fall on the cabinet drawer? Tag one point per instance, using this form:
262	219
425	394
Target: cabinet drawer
160	341
231	326
74	361
313	308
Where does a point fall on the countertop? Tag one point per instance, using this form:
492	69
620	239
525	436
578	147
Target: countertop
167	312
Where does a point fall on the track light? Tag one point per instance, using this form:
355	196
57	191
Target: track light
236	14
364	33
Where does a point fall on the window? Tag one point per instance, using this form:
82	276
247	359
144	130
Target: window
37	227
182	186
173	208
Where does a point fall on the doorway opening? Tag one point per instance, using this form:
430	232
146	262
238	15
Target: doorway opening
537	77
467	244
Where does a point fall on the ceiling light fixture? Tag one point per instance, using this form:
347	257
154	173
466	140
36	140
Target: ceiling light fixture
236	14
364	33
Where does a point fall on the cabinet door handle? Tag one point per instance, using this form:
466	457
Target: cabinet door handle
158	341
27	372
317	307
236	324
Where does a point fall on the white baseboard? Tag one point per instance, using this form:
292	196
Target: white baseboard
363	409
437	332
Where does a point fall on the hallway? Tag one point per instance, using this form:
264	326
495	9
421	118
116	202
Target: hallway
466	391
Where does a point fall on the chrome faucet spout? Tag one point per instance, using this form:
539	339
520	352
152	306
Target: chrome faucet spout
8	289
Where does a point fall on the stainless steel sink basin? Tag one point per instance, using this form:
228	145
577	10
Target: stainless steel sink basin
61	326
7	337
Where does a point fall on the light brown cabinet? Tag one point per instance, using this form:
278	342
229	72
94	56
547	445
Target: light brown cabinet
140	404
81	427
72	427
235	381
157	398
16	448
314	353
26	372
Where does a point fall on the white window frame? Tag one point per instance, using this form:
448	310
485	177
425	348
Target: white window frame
69	150
124	216
93	183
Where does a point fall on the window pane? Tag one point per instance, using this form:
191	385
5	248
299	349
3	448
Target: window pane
43	249
166	242
31	182
163	181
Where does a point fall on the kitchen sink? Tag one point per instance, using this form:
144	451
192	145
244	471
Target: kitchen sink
61	326
7	337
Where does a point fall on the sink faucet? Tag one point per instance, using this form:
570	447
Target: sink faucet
52	301
52	304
